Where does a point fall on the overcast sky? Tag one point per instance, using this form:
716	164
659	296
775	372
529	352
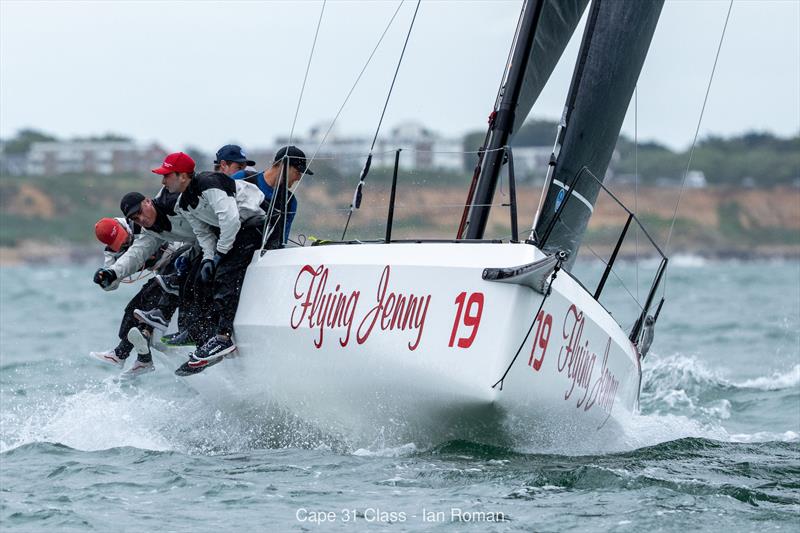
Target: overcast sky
208	73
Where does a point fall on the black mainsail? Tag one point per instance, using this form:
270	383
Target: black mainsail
614	46
543	32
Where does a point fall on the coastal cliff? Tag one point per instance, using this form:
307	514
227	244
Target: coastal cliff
49	218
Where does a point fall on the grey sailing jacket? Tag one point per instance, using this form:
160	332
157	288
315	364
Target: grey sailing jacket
170	227
216	206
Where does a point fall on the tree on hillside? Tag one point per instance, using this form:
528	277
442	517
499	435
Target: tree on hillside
532	133
22	141
106	137
202	160
760	156
536	133
651	160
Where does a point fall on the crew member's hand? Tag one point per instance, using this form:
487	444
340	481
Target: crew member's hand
105	277
206	272
182	264
208	268
150	262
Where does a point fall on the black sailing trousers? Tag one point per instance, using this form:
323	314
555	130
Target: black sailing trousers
230	275
196	314
147	298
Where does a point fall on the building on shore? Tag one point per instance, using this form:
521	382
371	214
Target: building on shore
92	157
344	154
422	148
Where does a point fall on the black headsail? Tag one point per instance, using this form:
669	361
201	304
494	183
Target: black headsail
543	31
614	46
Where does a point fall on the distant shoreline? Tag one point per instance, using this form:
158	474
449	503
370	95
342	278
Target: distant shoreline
31	253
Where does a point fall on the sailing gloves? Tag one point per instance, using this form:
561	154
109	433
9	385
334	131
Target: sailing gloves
209	267
105	277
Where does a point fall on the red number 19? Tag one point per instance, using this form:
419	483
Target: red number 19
542	338
471	319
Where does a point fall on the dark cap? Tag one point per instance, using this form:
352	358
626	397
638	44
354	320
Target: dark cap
297	158
131	203
233	153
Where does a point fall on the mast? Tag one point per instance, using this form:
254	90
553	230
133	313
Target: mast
613	49
543	31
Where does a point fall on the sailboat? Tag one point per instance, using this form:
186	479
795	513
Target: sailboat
467	337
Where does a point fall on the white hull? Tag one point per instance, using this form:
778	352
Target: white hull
322	335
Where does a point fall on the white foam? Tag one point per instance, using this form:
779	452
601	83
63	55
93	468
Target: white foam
688	261
97	419
403	450
679	371
648	430
776	381
766	436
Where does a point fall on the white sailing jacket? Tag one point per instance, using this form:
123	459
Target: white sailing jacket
216	206
169	227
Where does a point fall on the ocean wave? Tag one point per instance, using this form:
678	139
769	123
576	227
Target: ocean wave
766	436
103	417
404	450
157	414
643	430
682	397
688	261
777	381
666	376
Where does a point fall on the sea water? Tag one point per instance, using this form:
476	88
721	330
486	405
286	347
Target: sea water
716	446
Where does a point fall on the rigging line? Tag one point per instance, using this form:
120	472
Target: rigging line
636	175
622	283
308	68
600	258
267	234
535	318
696	132
350	93
406	206
396	71
355	203
358	155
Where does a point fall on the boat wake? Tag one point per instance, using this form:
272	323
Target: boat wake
681	398
776	381
160	414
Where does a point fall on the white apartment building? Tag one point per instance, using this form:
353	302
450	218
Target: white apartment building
422	149
92	157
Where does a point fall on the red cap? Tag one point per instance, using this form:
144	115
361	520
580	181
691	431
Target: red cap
111	233
177	162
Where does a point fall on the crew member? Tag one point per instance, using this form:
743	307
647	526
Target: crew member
161	225
117	235
266	181
227	218
231	160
